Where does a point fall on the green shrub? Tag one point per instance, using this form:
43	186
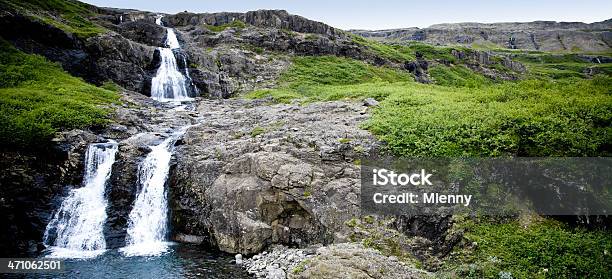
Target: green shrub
396	53
430	52
257	131
319	78
37	98
333	70
544	249
569	117
457	76
236	24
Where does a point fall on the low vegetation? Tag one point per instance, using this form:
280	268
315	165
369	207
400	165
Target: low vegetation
542	249
69	15
37	99
236	24
570	117
562	106
320	78
464	113
395	52
458	76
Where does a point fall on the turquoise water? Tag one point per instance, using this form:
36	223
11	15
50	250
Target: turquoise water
181	261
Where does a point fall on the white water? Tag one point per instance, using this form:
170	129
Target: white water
148	224
79	222
168	85
171	40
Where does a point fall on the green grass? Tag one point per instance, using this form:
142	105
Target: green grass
571	117
543	249
68	15
37	99
329	78
332	70
236	24
395	53
436	52
466	114
559	66
257	131
457	76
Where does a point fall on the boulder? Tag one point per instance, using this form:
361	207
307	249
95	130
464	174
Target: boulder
294	184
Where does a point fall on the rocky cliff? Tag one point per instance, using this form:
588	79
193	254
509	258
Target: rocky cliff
537	35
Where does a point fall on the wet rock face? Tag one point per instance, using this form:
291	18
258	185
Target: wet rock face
269	174
130	64
122	188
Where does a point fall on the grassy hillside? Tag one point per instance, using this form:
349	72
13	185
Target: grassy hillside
68	15
37	99
570	117
540	248
317	78
562	106
465	113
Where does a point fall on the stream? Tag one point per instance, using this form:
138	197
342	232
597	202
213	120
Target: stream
75	233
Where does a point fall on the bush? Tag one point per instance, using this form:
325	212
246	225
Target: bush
457	76
569	117
395	53
236	24
332	70
544	249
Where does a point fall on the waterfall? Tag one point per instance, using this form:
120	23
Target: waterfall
168	85
79	222
147	225
171	40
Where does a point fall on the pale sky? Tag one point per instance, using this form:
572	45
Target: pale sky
361	14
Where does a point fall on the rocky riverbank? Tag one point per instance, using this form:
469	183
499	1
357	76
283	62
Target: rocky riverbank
347	260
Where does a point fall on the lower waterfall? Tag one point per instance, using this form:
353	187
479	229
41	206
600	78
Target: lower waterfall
148	220
76	230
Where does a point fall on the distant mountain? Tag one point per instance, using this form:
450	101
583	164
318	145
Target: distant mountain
537	35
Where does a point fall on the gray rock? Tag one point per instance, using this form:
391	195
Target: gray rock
290	186
276	273
355	261
370	102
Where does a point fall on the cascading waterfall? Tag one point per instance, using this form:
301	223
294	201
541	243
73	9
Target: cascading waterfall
169	84
79	222
147	225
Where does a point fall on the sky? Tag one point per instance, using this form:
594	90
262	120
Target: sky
374	15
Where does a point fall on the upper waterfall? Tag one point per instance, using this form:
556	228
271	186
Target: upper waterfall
169	84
